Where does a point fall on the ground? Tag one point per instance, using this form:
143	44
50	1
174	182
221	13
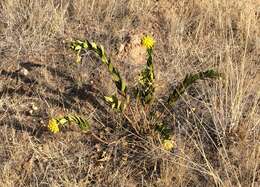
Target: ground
215	124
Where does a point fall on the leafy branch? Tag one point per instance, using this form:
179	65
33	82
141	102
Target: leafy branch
188	81
146	88
79	47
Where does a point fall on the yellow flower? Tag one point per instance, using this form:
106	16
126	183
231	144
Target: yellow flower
168	145
53	126
147	42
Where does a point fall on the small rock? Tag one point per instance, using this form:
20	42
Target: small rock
31	112
34	107
24	72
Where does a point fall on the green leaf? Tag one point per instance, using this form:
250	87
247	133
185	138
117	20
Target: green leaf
85	45
108	99
78	60
94	45
63	121
110	67
115	77
81	122
77	47
123	86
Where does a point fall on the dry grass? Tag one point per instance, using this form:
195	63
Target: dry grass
217	144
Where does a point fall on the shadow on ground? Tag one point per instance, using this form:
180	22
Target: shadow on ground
24	86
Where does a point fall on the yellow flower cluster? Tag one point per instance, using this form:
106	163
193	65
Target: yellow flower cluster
53	126
147	42
168	145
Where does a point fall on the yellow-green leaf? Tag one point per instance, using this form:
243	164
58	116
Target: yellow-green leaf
108	99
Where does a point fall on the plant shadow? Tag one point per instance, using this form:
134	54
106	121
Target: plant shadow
67	99
14	123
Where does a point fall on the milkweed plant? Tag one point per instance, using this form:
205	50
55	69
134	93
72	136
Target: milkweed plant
144	91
